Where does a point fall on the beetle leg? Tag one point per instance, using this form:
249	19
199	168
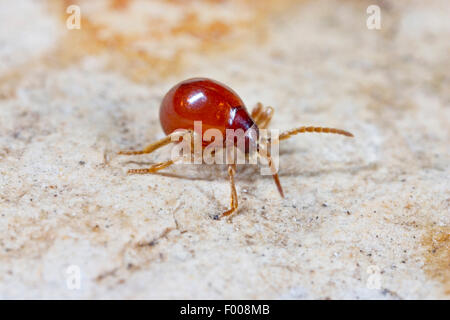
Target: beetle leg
262	116
171	138
265	118
234	200
153	168
256	110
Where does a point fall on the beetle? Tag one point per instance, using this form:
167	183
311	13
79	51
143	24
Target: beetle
217	106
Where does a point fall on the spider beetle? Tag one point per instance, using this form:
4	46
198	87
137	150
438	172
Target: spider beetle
216	106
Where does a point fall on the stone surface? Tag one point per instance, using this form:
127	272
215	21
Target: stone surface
363	218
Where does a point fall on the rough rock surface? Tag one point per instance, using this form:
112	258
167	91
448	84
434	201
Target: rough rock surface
363	218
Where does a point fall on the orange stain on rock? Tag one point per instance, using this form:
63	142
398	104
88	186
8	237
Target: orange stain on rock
120	4
437	257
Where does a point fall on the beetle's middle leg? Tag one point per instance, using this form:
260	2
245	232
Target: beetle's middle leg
234	199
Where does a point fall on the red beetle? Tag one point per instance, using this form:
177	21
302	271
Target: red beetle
217	107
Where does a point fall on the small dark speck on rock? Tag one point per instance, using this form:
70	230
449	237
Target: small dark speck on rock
348	212
324	205
81	163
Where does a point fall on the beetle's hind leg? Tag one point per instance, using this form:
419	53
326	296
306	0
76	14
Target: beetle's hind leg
153	168
155	145
172	138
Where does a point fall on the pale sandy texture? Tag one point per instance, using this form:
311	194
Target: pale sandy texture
359	213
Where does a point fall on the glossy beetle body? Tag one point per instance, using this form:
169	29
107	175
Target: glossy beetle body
200	99
217	107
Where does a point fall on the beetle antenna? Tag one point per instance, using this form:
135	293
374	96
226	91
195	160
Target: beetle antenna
262	151
292	132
